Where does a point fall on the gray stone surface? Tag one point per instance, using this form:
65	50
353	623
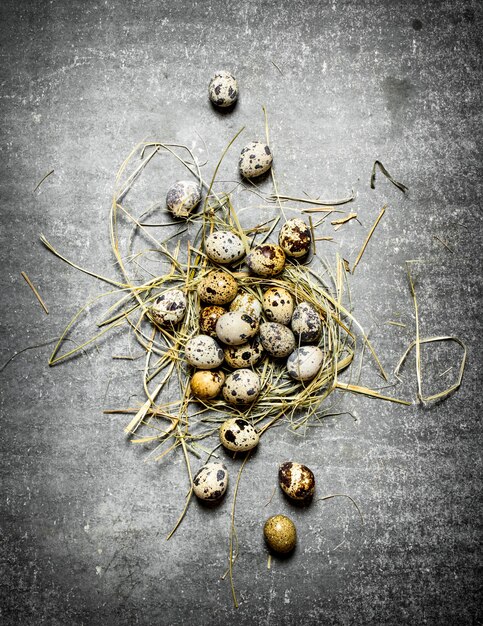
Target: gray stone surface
84	519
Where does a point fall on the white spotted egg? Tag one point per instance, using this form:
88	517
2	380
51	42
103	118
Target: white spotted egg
306	323
223	89
278	305
235	327
210	482
241	387
182	197
255	159
204	352
295	238
247	302
224	247
246	354
277	339
169	307
304	363
238	435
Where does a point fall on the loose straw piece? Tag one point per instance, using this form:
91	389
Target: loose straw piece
364	245
36	293
365	391
42	180
343	220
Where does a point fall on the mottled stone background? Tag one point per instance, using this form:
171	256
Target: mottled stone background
84	519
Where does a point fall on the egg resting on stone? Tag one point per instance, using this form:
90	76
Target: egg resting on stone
247	302
236	327
296	480
278	305
241	387
182	197
266	260
305	362
217	287
280	534
207	384
306	323
203	352
255	159
209	315
210	481
224	247
295	238
169	307
246	354
277	339
238	435
223	89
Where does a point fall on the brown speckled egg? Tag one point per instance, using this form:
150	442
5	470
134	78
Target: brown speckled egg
255	159
236	327
245	355
169	307
247	302
295	238
224	247
182	197
223	89
203	352
208	317
304	363
238	435
267	260
207	384
296	480
278	305
277	339
241	387
280	534
210	482
217	287
306	323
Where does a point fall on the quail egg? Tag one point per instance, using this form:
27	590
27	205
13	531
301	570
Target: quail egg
280	534
306	323
247	302
182	197
255	159
203	352
217	287
278	305
235	327
207	384
295	238
169	307
304	363
277	339
238	435
241	387
210	481
208	317
223	89
296	480
245	355
266	260
224	247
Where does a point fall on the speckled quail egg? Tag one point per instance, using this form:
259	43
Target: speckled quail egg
238	435
224	247
210	482
207	384
209	315
203	352
277	339
255	159
217	287
295	238
235	327
304	363
278	305
266	260
306	323
223	89
241	387
247	302
246	354
280	534
182	197
169	307
296	480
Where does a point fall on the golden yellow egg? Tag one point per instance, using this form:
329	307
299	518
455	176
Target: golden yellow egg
280	534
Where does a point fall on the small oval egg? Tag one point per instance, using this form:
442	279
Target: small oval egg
306	323
210	482
169	307
295	238
266	260
241	387
255	159
245	355
247	302
277	339
207	384
235	327
296	480
209	315
223	89
304	363
217	287
278	305
182	197
203	352
238	435
280	534
224	247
